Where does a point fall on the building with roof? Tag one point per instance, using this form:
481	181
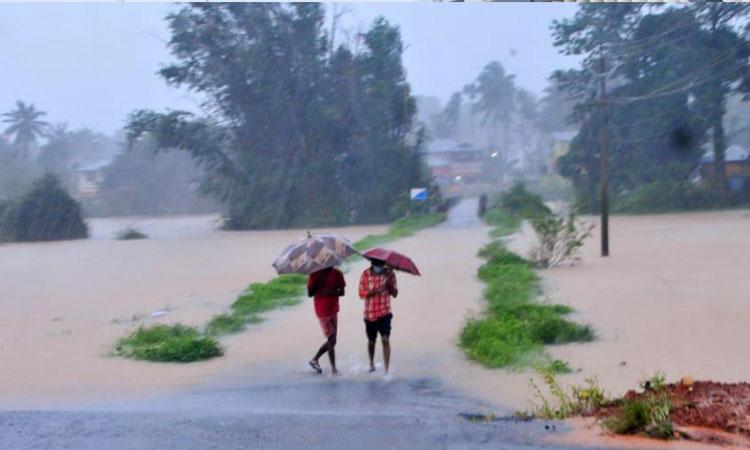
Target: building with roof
88	178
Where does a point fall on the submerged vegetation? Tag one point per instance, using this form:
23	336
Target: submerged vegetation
130	233
401	228
514	327
44	213
168	343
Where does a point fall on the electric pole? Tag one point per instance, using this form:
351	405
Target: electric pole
604	155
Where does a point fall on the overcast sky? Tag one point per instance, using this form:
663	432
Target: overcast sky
91	64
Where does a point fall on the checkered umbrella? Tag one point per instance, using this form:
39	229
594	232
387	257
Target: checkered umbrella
314	253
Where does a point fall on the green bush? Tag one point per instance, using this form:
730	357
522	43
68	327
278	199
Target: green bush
560	239
168	343
45	213
664	196
564	403
130	233
521	203
647	415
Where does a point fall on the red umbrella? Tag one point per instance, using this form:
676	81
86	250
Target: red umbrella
393	259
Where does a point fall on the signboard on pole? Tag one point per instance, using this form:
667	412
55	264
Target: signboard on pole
418	194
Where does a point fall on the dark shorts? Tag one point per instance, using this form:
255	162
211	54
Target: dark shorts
382	326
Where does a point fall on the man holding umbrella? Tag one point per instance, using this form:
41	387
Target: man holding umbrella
318	255
326	286
376	287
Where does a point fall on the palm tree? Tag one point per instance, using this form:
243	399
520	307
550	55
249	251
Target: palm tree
25	125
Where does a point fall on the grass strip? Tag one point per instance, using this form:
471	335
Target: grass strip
514	327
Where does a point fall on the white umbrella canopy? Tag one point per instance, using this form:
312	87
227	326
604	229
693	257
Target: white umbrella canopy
316	252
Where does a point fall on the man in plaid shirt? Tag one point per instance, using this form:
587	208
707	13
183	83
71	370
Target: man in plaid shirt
376	286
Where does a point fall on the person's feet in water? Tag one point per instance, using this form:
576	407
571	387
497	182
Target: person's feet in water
315	366
372	369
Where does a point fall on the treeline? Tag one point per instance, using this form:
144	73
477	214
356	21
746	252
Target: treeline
296	130
670	73
137	182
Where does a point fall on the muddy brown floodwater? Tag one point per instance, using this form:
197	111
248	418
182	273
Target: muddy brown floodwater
672	297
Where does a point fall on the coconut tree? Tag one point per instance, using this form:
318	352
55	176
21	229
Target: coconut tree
25	125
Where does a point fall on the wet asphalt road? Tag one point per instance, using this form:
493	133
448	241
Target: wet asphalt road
320	413
294	413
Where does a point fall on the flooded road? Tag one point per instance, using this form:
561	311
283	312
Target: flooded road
261	391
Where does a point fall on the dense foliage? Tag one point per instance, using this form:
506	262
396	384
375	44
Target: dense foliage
671	71
295	133
45	213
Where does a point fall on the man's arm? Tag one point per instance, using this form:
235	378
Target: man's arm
310	285
391	284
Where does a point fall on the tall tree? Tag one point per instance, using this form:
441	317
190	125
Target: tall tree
445	124
293	134
25	125
728	50
494	96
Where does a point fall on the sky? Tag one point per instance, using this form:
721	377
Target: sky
89	65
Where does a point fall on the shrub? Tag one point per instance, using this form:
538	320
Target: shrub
130	233
648	415
168	343
565	403
559	239
519	202
45	213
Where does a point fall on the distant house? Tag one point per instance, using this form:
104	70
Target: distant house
88	178
456	165
737	167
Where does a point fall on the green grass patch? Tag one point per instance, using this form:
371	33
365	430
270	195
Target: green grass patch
230	323
168	343
284	290
401	228
505	223
514	327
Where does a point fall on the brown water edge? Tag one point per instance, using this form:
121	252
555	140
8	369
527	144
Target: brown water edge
64	304
587	433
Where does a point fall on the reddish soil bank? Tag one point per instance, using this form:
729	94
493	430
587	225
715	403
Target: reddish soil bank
704	411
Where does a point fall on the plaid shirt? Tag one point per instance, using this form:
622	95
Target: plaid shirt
376	305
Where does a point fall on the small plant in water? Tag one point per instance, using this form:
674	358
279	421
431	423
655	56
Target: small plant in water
563	404
560	239
130	233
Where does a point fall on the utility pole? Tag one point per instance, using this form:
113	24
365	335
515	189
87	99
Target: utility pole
604	155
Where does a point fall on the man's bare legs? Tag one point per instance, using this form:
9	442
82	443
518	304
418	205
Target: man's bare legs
386	341
328	347
371	352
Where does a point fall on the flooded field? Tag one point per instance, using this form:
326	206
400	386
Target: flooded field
65	303
672	297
